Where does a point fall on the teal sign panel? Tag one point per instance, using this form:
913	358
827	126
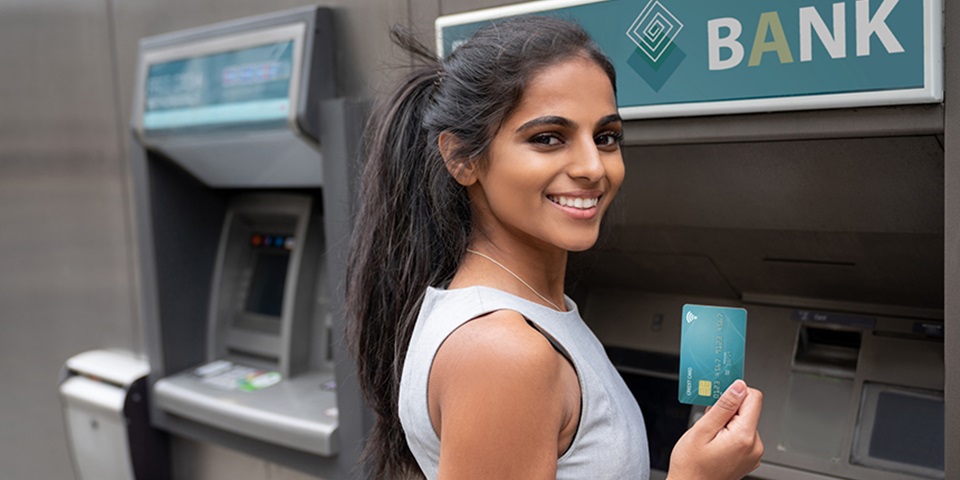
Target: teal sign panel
685	57
239	87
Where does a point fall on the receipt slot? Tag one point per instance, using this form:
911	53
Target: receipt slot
105	409
235	218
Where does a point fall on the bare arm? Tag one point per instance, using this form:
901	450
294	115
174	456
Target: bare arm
497	400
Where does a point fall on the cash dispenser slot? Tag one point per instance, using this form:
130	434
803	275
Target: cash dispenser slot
824	350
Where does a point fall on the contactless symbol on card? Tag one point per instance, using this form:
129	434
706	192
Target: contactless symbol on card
712	342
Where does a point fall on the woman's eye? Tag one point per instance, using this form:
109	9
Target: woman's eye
546	139
609	139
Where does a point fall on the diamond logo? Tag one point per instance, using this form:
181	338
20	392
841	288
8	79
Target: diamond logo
654	30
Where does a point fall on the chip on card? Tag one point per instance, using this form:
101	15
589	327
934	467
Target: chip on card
712	342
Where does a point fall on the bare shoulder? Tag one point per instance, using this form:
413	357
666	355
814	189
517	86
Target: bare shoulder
500	343
497	400
498	355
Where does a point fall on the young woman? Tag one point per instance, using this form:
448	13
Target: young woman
482	171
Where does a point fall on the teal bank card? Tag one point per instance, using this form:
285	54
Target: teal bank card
712	341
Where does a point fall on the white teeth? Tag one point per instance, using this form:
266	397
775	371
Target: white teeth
575	202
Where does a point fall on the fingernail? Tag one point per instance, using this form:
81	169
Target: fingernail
739	388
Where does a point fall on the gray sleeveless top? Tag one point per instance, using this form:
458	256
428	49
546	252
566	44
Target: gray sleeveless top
611	440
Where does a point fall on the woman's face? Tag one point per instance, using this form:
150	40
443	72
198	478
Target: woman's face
555	164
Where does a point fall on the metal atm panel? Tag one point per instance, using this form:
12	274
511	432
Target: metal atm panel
245	91
845	326
257	379
230	166
822	395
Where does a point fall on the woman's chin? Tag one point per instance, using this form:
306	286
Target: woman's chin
580	245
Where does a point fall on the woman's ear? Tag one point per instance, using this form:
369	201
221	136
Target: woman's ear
465	172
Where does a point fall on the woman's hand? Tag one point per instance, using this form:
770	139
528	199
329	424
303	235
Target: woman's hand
724	443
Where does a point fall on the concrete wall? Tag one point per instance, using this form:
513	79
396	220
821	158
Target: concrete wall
65	282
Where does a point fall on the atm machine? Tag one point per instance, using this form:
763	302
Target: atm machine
240	155
822	214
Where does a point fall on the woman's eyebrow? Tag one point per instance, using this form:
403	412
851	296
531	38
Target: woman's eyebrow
564	122
548	120
613	117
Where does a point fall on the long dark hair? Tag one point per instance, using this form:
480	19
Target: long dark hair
414	220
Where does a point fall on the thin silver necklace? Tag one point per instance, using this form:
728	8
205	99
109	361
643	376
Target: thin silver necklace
545	299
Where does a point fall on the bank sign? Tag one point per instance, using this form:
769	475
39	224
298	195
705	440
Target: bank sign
703	57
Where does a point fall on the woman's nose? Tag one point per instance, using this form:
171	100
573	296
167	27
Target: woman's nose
586	162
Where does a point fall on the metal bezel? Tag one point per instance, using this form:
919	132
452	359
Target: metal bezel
295	32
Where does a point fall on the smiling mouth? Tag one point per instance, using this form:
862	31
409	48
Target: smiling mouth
574	202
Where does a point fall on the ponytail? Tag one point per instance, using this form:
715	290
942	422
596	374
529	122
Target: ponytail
414	220
410	233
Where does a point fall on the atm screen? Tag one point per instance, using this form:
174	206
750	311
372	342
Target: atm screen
265	296
900	429
908	429
233	88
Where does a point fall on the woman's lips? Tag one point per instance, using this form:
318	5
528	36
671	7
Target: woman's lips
578	207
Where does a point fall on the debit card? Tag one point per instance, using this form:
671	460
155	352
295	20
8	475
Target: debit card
712	342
